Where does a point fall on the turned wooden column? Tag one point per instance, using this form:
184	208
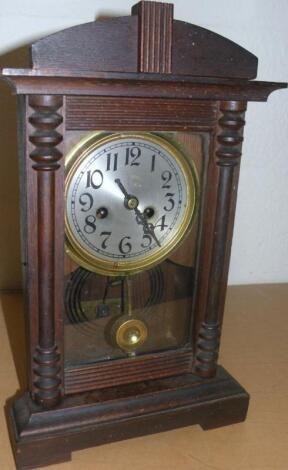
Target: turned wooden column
45	118
224	170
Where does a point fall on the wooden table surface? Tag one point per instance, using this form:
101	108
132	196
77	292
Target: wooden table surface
254	350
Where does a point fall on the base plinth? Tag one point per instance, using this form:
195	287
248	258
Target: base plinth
88	419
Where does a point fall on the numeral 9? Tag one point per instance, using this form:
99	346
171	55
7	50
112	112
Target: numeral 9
86	200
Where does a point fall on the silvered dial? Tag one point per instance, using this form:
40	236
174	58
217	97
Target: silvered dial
129	201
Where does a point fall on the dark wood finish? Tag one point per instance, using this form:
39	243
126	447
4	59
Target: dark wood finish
45	154
203	53
158	44
140	72
120	413
104	45
90	113
219	215
154	36
145	85
123	371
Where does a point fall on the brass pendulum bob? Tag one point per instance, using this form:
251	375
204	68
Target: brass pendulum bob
128	331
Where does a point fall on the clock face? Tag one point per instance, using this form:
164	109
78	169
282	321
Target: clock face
130	200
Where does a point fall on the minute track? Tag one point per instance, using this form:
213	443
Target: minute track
93	177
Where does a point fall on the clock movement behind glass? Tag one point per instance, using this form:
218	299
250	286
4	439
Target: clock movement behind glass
130	202
130	134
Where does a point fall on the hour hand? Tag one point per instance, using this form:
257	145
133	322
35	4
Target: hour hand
118	182
130	202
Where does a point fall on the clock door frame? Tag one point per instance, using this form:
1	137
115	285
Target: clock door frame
224	122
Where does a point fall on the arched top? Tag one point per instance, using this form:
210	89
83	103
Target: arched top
200	52
108	45
149	41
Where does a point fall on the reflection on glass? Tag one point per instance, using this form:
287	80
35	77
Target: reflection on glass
160	297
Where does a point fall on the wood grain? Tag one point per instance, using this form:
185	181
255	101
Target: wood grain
89	113
123	371
45	138
154	36
196	51
246	333
123	412
138	85
152	43
190	79
225	157
90	47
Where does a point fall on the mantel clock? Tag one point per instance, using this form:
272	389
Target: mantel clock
130	143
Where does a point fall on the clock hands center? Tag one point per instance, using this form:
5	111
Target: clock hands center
131	203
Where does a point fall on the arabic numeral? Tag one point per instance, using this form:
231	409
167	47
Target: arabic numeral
109	161
166	176
153	162
161	223
90	224
86	200
125	246
132	155
94	179
148	243
106	236
171	201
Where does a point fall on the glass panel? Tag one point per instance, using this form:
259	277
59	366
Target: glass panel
99	309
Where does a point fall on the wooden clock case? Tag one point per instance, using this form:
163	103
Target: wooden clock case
144	72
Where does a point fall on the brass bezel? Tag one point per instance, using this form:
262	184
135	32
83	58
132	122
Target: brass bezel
111	268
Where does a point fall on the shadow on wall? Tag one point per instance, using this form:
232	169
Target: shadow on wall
10	258
10	263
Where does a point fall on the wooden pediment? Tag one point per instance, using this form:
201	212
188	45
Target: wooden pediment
149	41
147	54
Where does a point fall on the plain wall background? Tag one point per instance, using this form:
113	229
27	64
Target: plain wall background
260	245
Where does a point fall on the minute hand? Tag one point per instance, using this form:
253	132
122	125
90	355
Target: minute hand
147	227
140	217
